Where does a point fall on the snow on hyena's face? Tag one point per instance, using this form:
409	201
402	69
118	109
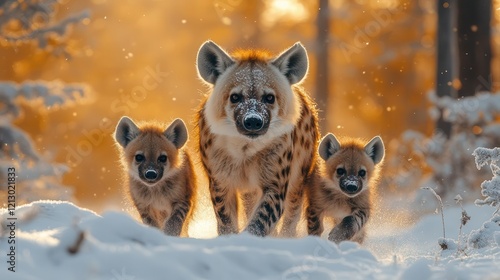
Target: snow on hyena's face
252	96
252	99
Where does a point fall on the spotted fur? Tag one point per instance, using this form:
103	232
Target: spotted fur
341	187
263	161
159	173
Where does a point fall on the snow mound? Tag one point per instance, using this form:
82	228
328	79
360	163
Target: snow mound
58	240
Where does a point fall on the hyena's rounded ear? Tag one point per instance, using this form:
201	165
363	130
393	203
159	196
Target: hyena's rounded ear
293	63
328	146
177	133
375	149
126	131
212	61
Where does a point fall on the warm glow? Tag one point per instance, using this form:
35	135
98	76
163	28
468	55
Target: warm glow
283	10
496	3
139	59
385	4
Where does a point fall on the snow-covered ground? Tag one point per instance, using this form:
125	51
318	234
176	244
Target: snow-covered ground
58	240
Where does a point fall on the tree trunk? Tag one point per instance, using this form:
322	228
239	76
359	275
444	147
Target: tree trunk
474	46
446	54
322	60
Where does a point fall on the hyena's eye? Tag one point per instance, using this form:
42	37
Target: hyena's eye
361	173
235	97
139	158
268	98
340	171
162	158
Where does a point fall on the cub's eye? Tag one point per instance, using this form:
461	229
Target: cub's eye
235	98
139	158
362	173
269	98
340	171
162	158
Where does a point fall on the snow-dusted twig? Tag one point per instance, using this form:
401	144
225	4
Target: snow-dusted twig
443	245
463	221
75	247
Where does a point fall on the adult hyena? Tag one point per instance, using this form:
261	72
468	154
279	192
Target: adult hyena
258	134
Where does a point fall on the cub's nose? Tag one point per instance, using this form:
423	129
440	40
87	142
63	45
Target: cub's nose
351	188
253	122
350	184
151	174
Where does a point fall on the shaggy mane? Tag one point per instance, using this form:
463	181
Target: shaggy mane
252	55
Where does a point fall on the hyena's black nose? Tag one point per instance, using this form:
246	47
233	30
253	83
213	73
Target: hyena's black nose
151	174
350	184
253	122
351	188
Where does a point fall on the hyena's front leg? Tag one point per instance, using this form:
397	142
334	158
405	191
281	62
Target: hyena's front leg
173	224
314	221
268	212
249	200
271	205
225	207
145	213
292	214
275	176
349	226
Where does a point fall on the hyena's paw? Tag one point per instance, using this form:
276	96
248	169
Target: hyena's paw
223	230
289	232
257	228
314	225
226	222
343	231
148	220
172	228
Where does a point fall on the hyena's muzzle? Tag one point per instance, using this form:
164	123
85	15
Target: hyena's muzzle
150	172
351	185
252	118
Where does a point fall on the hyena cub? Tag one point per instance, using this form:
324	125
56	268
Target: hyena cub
160	173
341	186
258	135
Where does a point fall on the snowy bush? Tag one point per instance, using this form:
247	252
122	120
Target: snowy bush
490	189
489	233
36	175
23	21
444	163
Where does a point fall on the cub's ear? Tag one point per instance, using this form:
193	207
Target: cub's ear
328	147
375	149
212	61
293	63
126	131
177	133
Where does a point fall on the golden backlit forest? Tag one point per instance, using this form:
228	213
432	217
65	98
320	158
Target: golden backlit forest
137	58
